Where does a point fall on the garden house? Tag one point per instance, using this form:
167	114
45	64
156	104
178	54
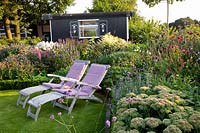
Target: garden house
84	25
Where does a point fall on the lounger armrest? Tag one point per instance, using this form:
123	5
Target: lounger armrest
54	75
68	79
86	84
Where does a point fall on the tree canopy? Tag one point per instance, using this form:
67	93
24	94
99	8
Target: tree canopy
182	22
21	13
152	3
113	5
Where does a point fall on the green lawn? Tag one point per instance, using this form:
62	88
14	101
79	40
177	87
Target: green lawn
87	117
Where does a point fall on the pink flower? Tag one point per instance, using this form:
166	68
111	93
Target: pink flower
38	52
107	123
60	113
39	55
60	100
129	100
114	118
52	117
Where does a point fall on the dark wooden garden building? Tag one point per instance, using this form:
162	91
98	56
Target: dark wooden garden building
84	25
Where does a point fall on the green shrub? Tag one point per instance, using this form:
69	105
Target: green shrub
16	67
3	41
23	61
122	59
104	46
168	52
113	75
30	40
142	31
24	41
13	50
172	129
122	63
61	56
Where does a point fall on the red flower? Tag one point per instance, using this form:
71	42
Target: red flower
180	38
190	33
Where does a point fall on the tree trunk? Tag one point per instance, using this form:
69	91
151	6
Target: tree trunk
167	13
17	27
7	28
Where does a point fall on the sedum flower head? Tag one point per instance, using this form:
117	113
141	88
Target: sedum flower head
178	115
172	129
194	119
161	88
152	122
122	103
121	131
151	132
134	131
183	124
188	109
120	110
131	94
118	125
143	96
137	123
144	88
179	109
131	112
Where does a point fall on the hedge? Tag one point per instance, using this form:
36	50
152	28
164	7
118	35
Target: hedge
21	84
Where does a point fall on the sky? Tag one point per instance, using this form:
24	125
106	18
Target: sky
186	8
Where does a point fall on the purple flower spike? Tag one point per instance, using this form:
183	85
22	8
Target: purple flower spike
199	60
52	117
107	123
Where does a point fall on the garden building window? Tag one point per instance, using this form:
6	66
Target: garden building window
88	28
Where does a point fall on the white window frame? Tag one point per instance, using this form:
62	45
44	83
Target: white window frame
88	26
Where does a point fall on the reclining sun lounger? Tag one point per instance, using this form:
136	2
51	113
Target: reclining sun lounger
84	90
74	74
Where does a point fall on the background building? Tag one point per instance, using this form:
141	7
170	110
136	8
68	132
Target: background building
84	25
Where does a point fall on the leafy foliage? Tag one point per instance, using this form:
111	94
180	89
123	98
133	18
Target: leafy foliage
183	22
152	3
20	62
22	13
142	31
104	46
113	5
